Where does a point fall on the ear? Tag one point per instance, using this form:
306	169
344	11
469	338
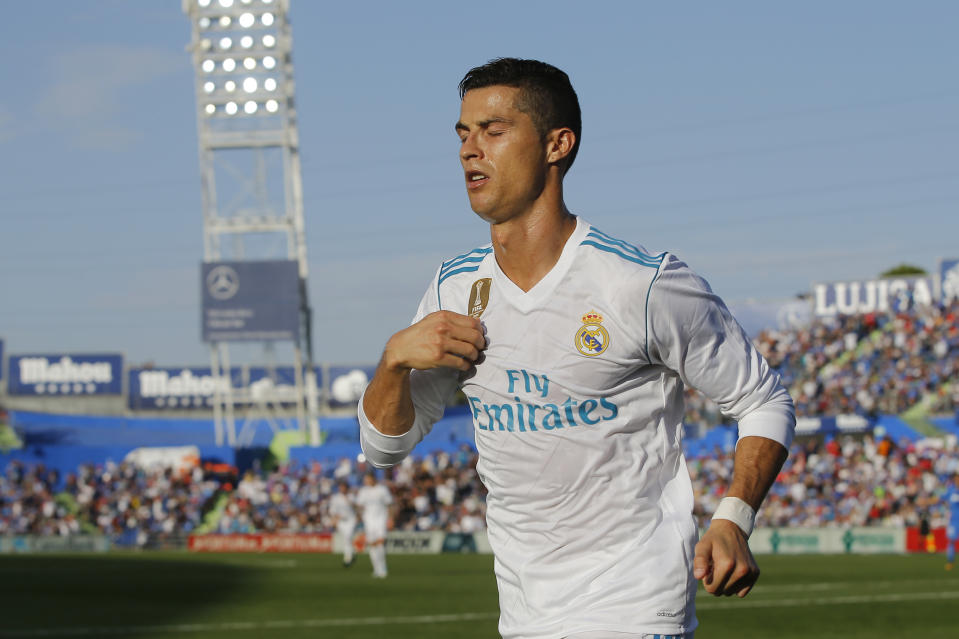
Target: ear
559	144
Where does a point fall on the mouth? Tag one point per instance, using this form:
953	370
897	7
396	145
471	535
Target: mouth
475	179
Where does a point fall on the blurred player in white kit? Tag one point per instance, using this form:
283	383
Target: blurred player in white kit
344	517
375	501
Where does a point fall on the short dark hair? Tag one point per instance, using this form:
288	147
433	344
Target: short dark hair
546	94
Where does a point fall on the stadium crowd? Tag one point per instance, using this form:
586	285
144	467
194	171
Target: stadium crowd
846	481
860	364
869	364
849	481
128	503
438	492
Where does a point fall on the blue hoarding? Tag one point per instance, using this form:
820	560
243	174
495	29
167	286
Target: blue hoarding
71	375
250	300
193	388
184	388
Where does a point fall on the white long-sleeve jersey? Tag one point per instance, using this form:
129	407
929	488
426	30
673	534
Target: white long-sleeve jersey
341	507
375	501
577	409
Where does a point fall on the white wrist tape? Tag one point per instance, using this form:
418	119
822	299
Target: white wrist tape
737	511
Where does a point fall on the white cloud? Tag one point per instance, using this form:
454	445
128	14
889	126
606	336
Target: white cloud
91	86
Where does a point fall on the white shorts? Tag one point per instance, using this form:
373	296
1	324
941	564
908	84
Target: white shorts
375	529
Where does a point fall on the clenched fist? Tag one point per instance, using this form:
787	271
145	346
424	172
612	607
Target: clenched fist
443	338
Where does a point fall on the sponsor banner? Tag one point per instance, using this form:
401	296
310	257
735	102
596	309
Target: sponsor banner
415	543
347	384
266	542
459	542
76	543
883	295
166	388
788	541
874	540
935	541
180	458
863	540
949	280
826	425
259	385
400	542
250	300
194	387
71	375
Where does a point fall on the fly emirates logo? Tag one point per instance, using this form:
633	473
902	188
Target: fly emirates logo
529	414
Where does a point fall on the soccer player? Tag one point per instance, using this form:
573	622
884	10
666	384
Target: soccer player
375	500
573	348
344	518
952	528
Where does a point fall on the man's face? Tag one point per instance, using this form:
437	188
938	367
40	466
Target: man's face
502	153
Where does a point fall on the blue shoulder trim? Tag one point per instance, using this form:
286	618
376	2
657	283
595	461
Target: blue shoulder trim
476	255
465	263
465	269
621	254
603	242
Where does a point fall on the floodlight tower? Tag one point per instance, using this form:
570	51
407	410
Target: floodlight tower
252	194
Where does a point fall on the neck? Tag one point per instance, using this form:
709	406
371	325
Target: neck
528	246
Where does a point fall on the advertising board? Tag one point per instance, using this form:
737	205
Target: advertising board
172	388
250	300
35	543
870	296
860	540
66	374
193	388
265	542
414	542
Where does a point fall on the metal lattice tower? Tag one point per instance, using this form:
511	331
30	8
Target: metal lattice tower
252	193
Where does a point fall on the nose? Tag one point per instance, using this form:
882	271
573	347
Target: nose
469	149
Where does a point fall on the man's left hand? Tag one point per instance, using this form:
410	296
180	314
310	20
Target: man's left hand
723	560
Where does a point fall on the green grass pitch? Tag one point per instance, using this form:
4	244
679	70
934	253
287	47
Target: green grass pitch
186	596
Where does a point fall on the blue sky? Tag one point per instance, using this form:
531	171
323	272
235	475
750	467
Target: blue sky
770	145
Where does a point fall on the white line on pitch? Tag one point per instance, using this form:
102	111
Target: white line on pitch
248	625
829	601
428	619
835	585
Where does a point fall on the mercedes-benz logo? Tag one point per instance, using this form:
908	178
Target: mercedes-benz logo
222	282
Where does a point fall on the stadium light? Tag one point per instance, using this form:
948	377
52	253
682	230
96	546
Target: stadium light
246	120
241	44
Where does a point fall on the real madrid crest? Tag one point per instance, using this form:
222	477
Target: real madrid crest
592	338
